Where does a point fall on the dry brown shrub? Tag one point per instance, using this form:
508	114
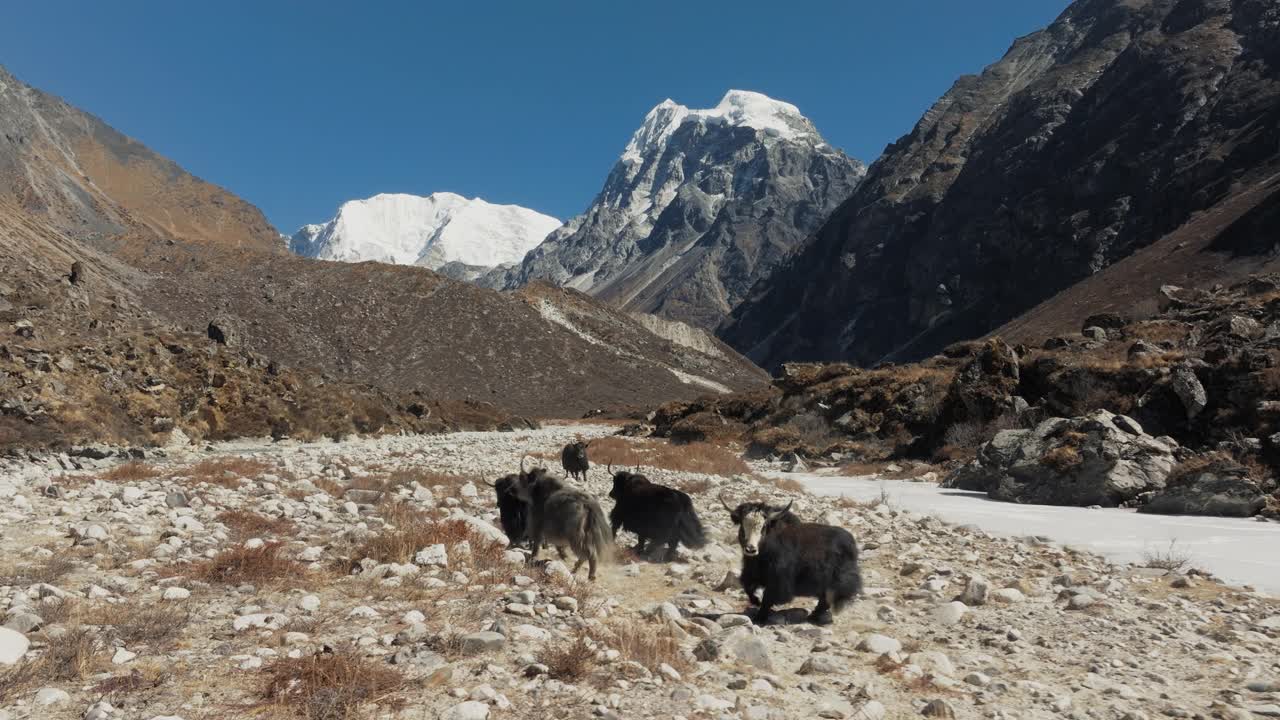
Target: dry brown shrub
568	660
72	658
224	472
692	486
239	565
329	686
137	680
1063	458
408	530
786	483
245	524
153	625
695	457
643	643
49	570
132	471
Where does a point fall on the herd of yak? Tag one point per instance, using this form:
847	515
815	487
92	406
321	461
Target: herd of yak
781	555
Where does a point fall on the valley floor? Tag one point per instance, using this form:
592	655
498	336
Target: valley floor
286	580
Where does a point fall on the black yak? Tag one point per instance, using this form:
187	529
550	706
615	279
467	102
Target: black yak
565	517
654	513
787	558
574	459
513	511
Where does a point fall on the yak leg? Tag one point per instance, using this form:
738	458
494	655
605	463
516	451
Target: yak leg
560	549
766	607
640	544
671	550
821	614
591	566
576	566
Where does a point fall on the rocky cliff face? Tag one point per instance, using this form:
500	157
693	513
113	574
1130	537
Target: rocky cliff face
1089	140
701	204
87	181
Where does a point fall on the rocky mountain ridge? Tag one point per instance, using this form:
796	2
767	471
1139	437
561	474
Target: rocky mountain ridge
700	205
1087	141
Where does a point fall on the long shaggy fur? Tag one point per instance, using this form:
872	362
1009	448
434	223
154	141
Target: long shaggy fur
513	511
656	513
574	460
566	518
799	559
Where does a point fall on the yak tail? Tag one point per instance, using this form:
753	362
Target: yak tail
599	536
689	530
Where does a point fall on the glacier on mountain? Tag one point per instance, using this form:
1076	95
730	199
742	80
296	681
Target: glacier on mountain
433	231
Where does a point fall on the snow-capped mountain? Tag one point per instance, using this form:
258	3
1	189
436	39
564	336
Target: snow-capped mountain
433	231
701	205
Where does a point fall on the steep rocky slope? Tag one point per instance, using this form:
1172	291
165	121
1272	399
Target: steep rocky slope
88	181
701	204
1089	140
160	256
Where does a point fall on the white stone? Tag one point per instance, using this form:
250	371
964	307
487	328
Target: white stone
268	621
469	710
949	613
1008	595
176	593
879	644
309	603
13	646
122	656
432	555
51	696
414	617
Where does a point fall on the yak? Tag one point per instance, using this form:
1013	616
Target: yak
513	511
787	558
656	513
565	517
574	459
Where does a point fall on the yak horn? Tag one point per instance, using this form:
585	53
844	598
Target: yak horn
725	504
610	468
783	511
522	457
486	482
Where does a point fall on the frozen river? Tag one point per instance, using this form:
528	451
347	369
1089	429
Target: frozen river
1241	552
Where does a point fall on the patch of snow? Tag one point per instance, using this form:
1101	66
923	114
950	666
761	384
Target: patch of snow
1236	550
691	379
429	231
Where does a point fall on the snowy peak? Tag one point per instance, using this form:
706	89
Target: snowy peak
738	108
430	231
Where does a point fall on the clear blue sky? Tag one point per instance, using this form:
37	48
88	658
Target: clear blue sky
297	106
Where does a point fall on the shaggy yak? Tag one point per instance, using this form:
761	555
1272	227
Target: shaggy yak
654	513
565	517
789	558
574	459
512	510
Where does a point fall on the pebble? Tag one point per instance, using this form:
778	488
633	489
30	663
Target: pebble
950	613
51	696
176	593
478	642
976	591
469	710
122	656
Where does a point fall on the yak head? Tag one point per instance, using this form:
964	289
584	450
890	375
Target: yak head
505	486
625	482
755	521
578	451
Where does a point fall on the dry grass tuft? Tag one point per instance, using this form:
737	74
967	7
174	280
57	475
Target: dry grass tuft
643	643
153	625
568	660
695	457
49	570
1063	458
245	524
409	530
331	686
693	486
130	472
72	658
136	681
1172	558
786	483
224	472
241	565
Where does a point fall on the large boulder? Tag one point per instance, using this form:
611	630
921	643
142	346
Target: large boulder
1212	485
1097	459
